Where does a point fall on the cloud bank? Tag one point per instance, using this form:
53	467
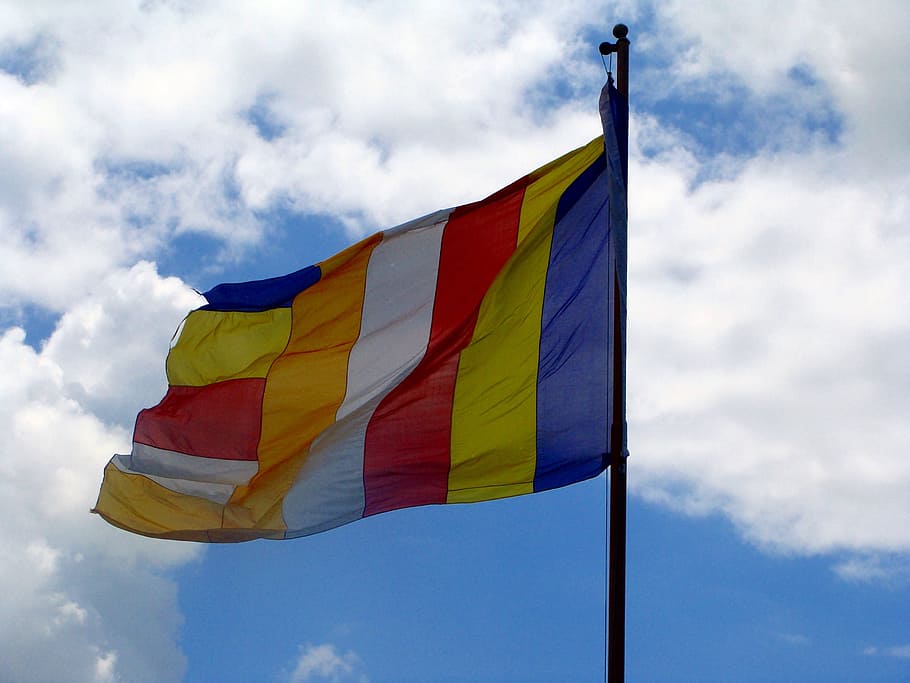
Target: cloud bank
767	379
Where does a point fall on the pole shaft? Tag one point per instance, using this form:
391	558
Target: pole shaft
616	587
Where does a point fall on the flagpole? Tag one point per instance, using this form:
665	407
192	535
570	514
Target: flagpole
616	562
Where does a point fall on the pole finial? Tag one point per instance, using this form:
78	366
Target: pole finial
621	49
620	32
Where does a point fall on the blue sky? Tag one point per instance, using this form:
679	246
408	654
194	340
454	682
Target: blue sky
150	149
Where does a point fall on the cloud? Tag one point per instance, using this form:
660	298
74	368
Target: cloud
795	639
765	348
897	651
158	119
767	377
91	603
880	568
89	341
325	663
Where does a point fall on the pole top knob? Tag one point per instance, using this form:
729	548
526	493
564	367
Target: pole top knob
620	31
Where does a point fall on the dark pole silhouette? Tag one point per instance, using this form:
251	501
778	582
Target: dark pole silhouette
616	562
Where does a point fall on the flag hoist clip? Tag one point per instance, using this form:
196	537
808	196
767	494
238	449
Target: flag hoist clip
621	49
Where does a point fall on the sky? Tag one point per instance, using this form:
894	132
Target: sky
149	150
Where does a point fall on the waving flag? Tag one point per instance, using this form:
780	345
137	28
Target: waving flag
463	356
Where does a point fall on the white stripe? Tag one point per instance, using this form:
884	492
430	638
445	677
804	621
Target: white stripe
217	493
397	310
395	329
164	463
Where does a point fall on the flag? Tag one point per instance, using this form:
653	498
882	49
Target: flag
460	357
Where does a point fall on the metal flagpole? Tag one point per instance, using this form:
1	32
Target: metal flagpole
616	562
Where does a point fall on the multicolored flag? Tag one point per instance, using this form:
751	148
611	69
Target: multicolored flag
463	356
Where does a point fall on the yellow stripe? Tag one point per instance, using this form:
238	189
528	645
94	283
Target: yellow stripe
138	504
306	384
542	195
218	345
494	413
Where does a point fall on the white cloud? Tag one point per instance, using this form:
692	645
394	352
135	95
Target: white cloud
105	663
768	378
795	639
90	602
325	663
855	52
152	119
765	349
880	568
107	343
898	651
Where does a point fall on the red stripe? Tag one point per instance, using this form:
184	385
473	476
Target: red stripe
215	421
407	446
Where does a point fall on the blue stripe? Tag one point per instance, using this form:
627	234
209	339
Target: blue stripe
572	375
261	295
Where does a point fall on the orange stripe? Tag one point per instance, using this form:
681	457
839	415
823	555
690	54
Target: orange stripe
306	384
